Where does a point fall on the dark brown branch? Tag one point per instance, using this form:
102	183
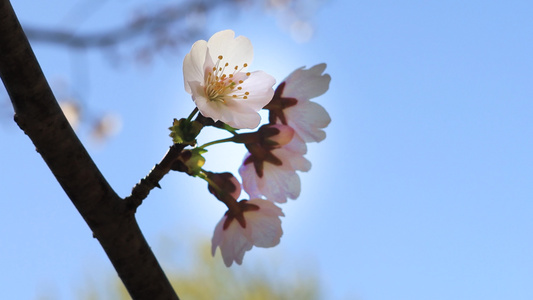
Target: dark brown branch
169	162
39	116
141	190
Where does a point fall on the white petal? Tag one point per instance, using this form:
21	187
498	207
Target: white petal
308	118
235	51
207	107
245	121
238	114
259	84
235	244
264	224
217	235
232	242
296	145
306	84
278	183
282	185
249	179
294	160
268	208
193	64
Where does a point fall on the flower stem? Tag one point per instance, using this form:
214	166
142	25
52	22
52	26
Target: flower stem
194	111
223	196
211	182
230	139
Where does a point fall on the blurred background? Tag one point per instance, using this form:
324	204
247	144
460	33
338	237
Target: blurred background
421	190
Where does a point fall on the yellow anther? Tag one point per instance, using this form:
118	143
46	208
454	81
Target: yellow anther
226	65
247	93
234	96
245	65
214	68
240	81
245	97
239	88
248	74
220	57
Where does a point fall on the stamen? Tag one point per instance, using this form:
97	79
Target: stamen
219	85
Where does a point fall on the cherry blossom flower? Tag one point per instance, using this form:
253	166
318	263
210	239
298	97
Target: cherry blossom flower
291	103
255	223
275	178
215	74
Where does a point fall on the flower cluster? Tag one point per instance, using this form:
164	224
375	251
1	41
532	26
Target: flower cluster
228	96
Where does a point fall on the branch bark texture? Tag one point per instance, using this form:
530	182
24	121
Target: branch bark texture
40	117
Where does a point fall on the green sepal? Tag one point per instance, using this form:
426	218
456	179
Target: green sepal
185	132
229	128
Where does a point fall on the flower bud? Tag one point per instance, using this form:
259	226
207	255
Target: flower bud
190	161
184	131
227	184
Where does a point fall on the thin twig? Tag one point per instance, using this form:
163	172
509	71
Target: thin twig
141	190
148	24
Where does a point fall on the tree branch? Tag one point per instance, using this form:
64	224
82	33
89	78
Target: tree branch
153	24
169	162
40	117
141	190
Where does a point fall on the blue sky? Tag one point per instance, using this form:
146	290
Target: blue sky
422	189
